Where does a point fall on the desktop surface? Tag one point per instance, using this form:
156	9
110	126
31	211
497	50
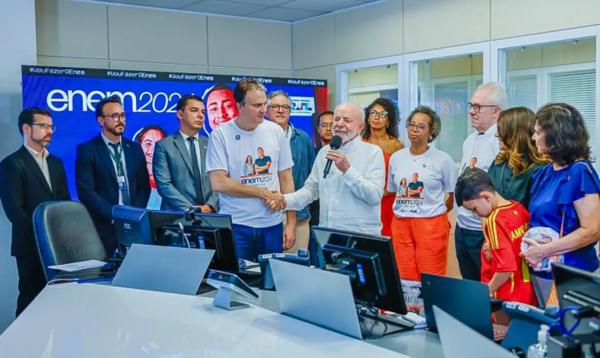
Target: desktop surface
87	320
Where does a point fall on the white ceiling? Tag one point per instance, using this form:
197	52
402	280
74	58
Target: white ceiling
281	10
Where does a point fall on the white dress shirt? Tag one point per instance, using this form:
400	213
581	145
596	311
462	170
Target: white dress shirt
348	201
41	160
112	160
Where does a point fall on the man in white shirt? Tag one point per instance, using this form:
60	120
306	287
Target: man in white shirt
249	138
479	150
350	195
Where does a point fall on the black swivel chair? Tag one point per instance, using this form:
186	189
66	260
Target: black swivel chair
65	233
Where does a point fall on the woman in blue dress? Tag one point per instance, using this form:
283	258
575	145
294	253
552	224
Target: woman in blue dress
564	194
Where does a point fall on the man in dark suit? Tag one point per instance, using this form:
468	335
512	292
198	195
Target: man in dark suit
179	164
110	170
28	177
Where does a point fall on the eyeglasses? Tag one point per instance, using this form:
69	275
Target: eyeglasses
326	125
45	126
477	107
115	116
374	113
420	127
277	107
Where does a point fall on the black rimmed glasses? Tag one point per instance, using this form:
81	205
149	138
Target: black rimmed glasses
115	116
420	127
280	107
476	107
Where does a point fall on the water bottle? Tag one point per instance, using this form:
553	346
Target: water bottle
538	350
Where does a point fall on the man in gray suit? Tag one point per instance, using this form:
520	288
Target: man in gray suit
179	162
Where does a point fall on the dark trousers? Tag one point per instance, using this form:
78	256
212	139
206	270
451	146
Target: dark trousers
251	242
468	252
31	281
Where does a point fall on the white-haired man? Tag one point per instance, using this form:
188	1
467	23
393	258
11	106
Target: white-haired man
350	195
479	150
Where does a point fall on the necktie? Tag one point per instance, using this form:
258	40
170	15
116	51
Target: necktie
196	171
121	176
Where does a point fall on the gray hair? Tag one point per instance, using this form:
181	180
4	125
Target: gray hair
278	93
497	93
436	122
355	107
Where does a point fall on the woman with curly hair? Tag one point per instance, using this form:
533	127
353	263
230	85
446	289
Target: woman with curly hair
518	158
381	129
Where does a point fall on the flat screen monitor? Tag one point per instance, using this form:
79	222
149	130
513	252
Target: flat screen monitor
158	218
378	264
581	290
132	226
207	231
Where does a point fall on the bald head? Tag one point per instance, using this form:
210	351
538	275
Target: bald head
348	121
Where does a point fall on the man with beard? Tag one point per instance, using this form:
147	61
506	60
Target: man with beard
350	194
110	170
28	177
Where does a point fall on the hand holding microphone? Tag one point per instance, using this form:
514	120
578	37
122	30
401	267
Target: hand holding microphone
335	144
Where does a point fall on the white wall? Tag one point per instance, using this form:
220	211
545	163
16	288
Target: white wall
17	24
93	35
396	27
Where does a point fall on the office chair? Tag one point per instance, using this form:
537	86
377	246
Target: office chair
65	233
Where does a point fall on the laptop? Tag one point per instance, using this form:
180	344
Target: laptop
163	268
316	296
466	300
459	340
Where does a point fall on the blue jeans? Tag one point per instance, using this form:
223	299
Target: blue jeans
251	242
468	252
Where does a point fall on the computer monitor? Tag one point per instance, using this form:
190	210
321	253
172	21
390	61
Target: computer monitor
208	231
158	218
132	226
382	287
581	290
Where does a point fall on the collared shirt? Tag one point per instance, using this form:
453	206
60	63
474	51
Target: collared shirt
196	147
41	160
479	150
303	155
112	159
348	201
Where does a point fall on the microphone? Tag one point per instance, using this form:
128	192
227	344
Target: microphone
335	144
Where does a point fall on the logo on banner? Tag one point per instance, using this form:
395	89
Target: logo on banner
302	106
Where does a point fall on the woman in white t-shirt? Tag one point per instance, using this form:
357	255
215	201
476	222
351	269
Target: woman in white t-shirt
423	179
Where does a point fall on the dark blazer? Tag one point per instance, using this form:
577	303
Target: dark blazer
173	173
97	185
22	188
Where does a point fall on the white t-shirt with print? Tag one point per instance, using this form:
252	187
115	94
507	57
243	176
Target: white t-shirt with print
231	149
479	150
421	182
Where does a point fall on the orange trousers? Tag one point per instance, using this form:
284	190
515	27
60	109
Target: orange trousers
421	245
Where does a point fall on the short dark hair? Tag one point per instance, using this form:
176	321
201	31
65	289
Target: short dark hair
243	86
104	101
26	116
321	115
471	183
184	100
435	127
392	109
565	134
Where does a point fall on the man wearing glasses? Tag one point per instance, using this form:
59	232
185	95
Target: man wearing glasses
279	109
110	170
480	150
28	177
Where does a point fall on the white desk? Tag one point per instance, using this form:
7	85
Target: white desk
88	320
